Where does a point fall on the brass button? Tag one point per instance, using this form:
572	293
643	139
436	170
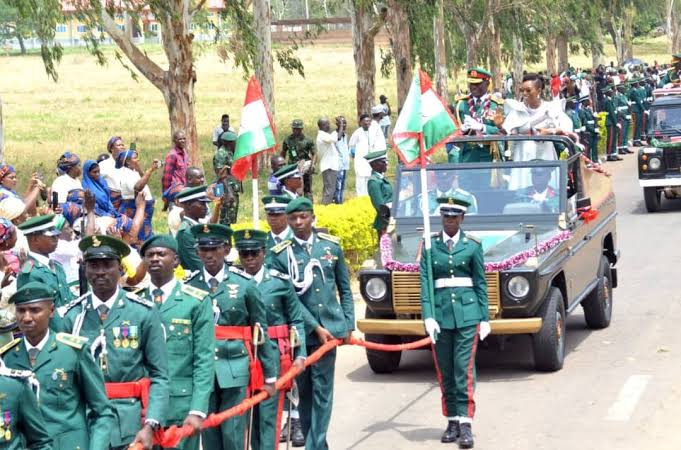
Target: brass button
216	358
216	350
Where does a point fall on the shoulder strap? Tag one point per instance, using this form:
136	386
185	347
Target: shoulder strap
72	341
197	293
281	246
137	299
329	237
240	272
275	273
472	238
10	345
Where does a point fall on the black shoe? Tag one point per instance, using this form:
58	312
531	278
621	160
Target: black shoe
628	151
466	435
614	158
297	436
284	432
451	434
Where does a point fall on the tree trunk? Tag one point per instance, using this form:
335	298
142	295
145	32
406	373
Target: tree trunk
563	55
673	29
472	51
364	30
628	33
22	44
264	70
597	56
400	40
440	52
551	66
517	63
2	135
494	55
617	41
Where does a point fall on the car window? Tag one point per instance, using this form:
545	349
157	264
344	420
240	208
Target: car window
666	119
490	191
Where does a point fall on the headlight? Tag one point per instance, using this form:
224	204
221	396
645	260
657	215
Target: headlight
518	286
654	163
376	289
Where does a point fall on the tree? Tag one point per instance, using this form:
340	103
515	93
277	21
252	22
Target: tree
397	22
440	52
13	25
264	70
673	29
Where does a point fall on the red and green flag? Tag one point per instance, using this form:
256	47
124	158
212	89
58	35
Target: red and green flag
424	124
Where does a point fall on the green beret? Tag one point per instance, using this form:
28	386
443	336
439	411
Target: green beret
299	204
103	247
193	193
159	240
40	225
250	239
453	205
275	204
297	123
289	171
375	156
212	234
228	136
32	292
478	75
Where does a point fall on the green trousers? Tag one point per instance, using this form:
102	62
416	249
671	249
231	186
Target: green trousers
638	124
595	138
267	423
231	435
455	366
316	399
624	133
612	140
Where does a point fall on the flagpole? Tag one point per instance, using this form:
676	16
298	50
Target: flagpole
425	212
256	212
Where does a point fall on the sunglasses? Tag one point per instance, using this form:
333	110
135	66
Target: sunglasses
248	253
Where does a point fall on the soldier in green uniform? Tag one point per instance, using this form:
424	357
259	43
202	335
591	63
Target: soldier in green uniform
275	212
611	124
187	318
328	311
623	118
23	426
589	122
637	97
224	155
380	190
570	110
296	148
539	192
125	334
478	114
672	77
194	202
73	401
42	237
291	179
237	311
285	327
456	316
222	164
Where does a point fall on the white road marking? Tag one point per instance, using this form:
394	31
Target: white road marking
628	397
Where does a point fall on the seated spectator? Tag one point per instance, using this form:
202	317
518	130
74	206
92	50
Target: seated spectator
95	183
539	192
69	170
131	184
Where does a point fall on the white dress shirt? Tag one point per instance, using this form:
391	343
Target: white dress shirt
97	302
259	276
328	154
446	238
40	345
283	235
220	276
63	184
44	260
166	288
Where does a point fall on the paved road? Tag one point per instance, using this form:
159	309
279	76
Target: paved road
620	388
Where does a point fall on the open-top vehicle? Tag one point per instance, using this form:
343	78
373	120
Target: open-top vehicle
548	233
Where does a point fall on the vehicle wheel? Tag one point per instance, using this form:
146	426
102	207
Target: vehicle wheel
598	304
549	343
382	362
652	196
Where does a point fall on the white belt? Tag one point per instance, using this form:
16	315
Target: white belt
590	122
622	108
453	282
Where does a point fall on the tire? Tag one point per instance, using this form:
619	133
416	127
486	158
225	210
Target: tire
382	362
549	343
598	304
652	197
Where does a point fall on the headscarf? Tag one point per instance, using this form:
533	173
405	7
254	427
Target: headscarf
66	162
6	229
112	141
123	156
11	208
100	189
6	169
71	211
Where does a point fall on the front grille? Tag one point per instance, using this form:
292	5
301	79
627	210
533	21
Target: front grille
406	290
672	158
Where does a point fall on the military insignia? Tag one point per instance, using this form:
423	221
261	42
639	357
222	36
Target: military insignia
181	321
197	293
277	274
72	341
9	346
28	266
240	272
140	300
206	229
473	238
125	343
233	290
280	246
117	336
134	340
329	237
96	242
450	201
247	234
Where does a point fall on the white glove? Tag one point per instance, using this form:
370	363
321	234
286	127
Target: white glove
485	330
647	113
432	328
619	126
598	131
628	117
473	124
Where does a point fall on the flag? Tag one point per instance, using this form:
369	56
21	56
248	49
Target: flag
256	133
424	124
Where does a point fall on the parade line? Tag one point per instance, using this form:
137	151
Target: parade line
171	436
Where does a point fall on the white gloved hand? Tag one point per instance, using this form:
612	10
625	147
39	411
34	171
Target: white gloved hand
628	117
432	328
473	124
485	330
598	131
619	126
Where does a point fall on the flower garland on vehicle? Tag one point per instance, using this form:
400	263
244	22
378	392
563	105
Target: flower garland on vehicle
514	261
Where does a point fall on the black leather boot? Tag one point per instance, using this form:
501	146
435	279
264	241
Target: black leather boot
297	436
466	435
451	434
284	432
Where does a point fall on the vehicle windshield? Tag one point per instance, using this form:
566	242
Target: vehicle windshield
524	189
666	119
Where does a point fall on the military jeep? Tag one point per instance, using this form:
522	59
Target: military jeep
548	233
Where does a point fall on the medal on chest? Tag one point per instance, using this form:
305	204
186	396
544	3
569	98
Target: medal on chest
117	336
134	341
5	423
233	290
328	256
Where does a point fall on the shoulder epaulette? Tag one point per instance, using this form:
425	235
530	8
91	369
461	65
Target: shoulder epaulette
189	275
197	293
72	340
9	346
15	373
28	266
275	273
496	99
328	237
240	272
472	238
281	246
462	97
137	299
62	310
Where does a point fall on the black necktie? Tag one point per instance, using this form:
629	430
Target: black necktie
213	283
158	296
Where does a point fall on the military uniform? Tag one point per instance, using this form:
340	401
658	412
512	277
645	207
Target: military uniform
298	149
128	344
289	171
624	119
453	318
22	424
380	192
327	300
637	97
590	125
611	124
186	251
237	308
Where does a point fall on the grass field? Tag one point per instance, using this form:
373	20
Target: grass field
90	103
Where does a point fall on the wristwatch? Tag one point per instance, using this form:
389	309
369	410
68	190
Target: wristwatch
153	424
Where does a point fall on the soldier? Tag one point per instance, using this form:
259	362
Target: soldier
297	147
637	97
73	401
23	426
671	77
380	190
42	237
290	178
455	316
285	327
188	323
275	211
478	114
237	311
623	118
570	110
222	164
592	132
125	334
194	201
611	124
324	291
